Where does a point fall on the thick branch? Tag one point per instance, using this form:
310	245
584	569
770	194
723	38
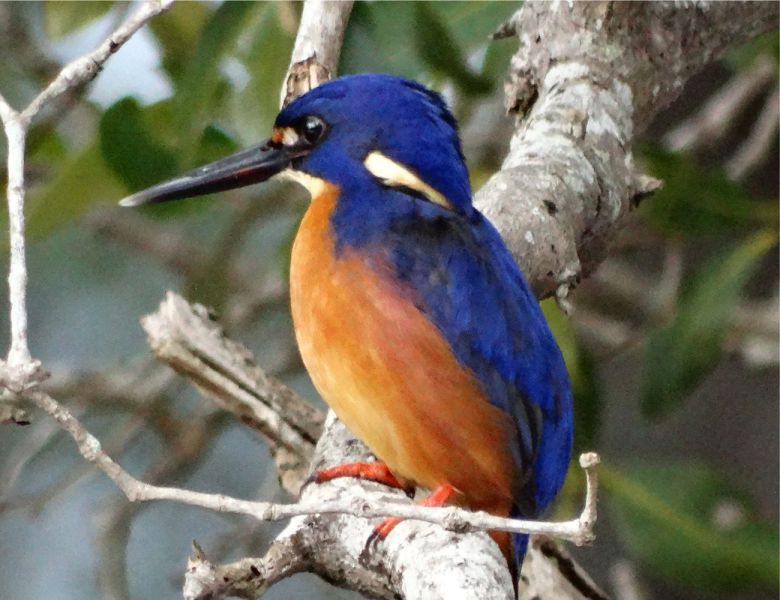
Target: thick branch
416	561
587	78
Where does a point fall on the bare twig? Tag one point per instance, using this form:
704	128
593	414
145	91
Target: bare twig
715	119
86	68
192	442
756	148
246	578
579	530
15	132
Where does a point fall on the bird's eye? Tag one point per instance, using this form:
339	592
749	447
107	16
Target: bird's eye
312	129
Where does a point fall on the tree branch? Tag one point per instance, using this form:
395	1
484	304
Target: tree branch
315	56
19	364
587	78
185	338
579	531
85	69
416	561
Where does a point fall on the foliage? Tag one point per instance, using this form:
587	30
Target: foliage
679	355
697	200
692	526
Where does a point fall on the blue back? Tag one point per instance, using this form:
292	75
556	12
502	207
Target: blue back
465	279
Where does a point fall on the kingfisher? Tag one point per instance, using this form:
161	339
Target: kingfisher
413	320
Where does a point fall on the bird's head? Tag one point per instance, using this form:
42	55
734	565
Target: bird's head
358	130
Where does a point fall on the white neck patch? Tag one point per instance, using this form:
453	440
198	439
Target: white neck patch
315	185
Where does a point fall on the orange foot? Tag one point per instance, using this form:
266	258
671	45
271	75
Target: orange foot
374	471
439	497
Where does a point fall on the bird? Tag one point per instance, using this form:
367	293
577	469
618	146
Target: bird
412	318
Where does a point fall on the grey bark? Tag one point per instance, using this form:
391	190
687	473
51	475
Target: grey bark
588	77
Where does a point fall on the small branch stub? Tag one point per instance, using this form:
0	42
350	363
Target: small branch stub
304	76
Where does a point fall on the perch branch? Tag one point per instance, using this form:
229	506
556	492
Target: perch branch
579	530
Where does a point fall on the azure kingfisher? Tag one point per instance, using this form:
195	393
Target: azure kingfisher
412	318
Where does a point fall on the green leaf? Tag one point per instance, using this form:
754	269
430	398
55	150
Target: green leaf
81	182
375	37
698	200
688	525
439	51
177	31
129	149
582	373
680	355
266	60
201	83
62	18
743	57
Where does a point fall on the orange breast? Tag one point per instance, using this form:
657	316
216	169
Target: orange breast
388	372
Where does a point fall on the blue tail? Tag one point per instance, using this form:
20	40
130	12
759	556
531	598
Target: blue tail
519	548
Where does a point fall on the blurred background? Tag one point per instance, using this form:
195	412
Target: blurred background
673	347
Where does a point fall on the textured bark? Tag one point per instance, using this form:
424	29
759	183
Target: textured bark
587	78
183	336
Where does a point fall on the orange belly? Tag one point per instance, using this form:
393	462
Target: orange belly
389	373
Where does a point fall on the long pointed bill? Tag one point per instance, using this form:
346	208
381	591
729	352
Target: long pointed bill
244	168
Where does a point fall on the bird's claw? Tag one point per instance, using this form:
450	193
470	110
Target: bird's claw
379	534
365	556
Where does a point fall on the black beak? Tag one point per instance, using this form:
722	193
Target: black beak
244	168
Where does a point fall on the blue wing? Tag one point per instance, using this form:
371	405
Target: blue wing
470	286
